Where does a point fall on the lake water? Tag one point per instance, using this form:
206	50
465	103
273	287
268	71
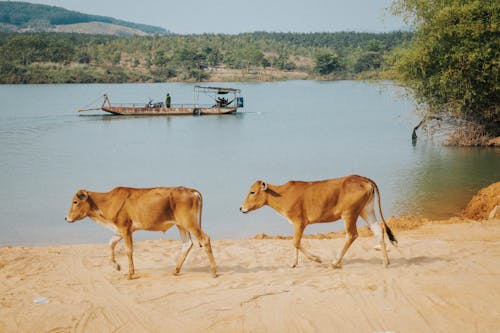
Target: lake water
302	130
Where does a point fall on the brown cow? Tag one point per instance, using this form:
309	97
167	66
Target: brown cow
304	203
125	210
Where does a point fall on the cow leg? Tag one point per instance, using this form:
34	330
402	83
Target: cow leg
368	214
130	251
187	244
297	237
351	235
205	242
112	244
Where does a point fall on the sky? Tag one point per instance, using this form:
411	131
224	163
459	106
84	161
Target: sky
236	16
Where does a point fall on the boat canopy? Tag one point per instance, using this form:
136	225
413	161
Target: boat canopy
218	90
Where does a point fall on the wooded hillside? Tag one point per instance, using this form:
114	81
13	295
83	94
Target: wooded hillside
35	17
51	57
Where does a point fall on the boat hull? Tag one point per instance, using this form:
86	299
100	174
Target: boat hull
139	111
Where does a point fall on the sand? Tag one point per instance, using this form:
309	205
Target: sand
445	278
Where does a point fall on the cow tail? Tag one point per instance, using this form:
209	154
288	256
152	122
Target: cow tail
388	230
200	209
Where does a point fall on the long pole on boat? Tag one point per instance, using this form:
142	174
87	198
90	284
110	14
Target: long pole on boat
96	108
91	109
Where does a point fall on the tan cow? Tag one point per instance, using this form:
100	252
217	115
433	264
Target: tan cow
125	210
304	203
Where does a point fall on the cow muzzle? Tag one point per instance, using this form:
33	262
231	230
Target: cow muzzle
69	220
243	210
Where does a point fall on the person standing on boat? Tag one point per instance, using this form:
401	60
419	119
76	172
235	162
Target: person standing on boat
167	100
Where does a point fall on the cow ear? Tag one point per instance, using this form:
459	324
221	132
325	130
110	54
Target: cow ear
82	195
263	186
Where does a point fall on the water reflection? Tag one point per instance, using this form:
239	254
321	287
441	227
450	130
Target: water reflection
441	180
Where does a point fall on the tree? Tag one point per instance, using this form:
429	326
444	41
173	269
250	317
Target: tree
452	64
326	62
283	62
159	58
84	58
117	57
368	60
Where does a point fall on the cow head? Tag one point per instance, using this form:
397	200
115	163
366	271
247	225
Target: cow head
80	207
256	198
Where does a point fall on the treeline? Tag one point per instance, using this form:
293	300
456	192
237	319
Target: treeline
55	57
39	17
339	40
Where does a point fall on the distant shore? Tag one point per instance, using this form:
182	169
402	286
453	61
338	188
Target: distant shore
49	73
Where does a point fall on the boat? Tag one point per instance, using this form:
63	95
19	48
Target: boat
222	105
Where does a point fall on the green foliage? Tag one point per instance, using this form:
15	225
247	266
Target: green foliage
452	65
326	62
368	60
26	49
117	57
83	58
283	62
336	41
161	58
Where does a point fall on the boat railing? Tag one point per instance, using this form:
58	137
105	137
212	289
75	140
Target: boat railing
180	106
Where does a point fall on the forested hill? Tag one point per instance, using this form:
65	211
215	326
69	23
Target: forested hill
24	16
259	56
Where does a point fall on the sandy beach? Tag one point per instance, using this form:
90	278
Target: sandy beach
444	278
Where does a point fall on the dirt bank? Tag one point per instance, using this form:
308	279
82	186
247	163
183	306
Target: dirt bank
483	203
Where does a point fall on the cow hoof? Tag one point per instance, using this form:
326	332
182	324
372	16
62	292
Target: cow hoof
214	275
176	273
336	266
117	266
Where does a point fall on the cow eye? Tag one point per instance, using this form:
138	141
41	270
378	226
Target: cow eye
252	193
75	202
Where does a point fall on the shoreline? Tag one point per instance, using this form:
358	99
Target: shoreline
398	224
431	285
250	75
